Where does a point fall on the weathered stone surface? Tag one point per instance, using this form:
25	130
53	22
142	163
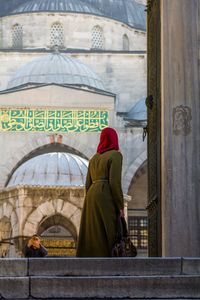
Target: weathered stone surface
111	278
115	287
180	128
191	266
112	299
14	287
13	267
104	266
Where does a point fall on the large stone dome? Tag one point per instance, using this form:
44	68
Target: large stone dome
51	169
127	11
56	68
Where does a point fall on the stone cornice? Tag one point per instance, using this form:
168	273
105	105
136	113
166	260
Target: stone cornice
47	191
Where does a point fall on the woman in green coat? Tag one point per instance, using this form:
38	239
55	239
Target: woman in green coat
104	199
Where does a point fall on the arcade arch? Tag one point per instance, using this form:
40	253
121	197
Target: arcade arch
59	235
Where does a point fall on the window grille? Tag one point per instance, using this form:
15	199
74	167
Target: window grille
57	35
97	37
125	42
138	230
17	36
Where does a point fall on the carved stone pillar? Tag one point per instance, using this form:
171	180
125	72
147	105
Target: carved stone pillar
180	127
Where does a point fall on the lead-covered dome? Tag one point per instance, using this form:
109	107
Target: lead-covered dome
127	11
51	169
56	6
138	114
138	111
56	68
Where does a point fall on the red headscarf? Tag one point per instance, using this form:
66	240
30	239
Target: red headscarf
108	140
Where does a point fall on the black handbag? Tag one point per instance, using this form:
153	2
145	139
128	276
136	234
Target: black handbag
123	246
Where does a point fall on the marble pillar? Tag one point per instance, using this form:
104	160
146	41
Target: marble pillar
180	127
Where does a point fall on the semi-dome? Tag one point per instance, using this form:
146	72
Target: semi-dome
51	169
56	68
56	6
127	11
138	113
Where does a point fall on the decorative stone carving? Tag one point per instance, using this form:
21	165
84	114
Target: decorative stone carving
182	117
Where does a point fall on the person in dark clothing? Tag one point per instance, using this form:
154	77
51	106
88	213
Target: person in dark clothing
104	199
34	248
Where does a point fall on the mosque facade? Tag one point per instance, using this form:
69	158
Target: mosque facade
69	68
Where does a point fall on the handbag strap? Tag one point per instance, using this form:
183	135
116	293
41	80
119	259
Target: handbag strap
122	230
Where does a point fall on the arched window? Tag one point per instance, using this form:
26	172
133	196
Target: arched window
97	37
57	35
125	42
17	36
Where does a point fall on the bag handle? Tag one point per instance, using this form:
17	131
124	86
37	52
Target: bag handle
122	230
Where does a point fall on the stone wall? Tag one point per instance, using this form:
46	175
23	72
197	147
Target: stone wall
123	74
21	144
77	29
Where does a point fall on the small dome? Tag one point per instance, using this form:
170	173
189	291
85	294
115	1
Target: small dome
51	169
138	112
56	68
56	6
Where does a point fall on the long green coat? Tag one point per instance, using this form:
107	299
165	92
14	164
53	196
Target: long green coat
103	201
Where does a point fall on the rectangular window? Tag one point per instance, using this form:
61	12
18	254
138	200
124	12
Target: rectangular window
138	230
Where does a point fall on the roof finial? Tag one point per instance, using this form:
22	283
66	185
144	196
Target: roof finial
56	49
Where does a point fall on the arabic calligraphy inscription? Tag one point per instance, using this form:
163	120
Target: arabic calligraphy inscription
43	120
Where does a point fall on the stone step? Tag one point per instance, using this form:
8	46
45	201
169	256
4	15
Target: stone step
105	267
101	287
92	278
14	287
99	267
13	267
118	287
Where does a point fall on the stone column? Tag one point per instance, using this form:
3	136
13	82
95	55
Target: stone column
180	128
127	199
